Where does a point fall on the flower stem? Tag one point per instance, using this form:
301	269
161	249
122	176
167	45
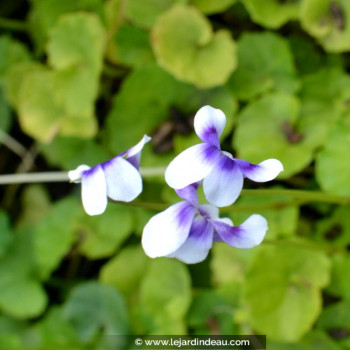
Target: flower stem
302	196
53	176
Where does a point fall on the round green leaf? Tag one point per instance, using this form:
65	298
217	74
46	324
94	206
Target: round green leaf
53	239
332	169
166	290
327	21
265	63
101	236
132	46
21	294
123	275
210	7
185	45
284	298
93	307
139	106
144	13
273	13
268	128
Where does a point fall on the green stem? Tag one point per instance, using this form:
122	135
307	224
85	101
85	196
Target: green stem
302	196
12	24
296	197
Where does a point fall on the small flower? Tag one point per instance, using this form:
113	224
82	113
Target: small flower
187	230
118	178
222	174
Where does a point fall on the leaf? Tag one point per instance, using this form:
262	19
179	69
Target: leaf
53	238
267	50
132	46
103	234
340	281
332	172
123	275
11	53
35	203
75	49
284	299
266	129
282	218
93	307
334	229
185	45
210	7
166	291
45	13
6	236
17	274
61	101
272	13
314	340
327	20
69	152
210	308
228	267
144	13
55	333
128	121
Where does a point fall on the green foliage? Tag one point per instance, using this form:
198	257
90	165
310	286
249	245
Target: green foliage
268	67
82	81
289	297
203	58
273	13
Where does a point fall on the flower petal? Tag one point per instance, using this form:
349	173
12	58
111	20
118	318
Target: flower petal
76	175
133	154
189	193
124	182
94	191
224	183
191	166
248	235
167	231
265	171
199	241
209	124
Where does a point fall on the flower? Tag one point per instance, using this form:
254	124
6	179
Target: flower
222	174
118	178
187	230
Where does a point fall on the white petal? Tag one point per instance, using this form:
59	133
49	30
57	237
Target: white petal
197	246
265	171
224	183
191	166
94	191
248	235
76	175
168	230
209	124
124	182
133	154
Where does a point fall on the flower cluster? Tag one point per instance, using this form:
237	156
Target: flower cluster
186	230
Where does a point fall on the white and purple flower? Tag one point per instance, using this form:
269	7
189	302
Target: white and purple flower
222	174
118	179
187	230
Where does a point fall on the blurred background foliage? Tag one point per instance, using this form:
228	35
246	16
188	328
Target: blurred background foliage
83	80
